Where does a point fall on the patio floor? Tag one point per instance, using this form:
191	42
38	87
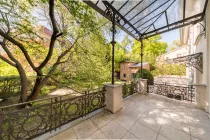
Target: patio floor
143	117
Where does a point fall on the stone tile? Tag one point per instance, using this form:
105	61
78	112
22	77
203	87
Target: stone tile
199	120
151	121
197	112
200	131
125	121
133	114
141	108
161	137
143	132
173	133
194	138
184	127
115	115
85	129
97	135
113	130
128	104
101	119
129	136
156	111
66	135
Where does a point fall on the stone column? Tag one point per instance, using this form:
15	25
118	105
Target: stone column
113	97
142	86
200	96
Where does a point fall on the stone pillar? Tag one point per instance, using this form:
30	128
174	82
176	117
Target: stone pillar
200	96
142	86
113	97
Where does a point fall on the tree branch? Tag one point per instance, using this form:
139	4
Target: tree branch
54	36
3	44
15	42
7	60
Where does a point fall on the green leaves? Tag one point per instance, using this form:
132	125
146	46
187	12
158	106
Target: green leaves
152	48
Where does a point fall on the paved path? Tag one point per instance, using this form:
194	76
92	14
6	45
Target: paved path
64	91
150	117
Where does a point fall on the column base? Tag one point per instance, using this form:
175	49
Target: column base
113	97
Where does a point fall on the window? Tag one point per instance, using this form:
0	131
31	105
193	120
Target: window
124	75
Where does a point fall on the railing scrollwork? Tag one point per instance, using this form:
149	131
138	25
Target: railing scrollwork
179	92
193	60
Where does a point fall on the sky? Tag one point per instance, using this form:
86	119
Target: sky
169	37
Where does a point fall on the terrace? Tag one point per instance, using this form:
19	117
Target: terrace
102	114
144	117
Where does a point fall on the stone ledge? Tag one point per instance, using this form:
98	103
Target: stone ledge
113	85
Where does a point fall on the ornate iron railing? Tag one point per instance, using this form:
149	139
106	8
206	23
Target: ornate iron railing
194	60
179	92
129	89
45	115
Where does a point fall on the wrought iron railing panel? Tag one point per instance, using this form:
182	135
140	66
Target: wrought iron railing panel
193	60
129	89
179	92
38	119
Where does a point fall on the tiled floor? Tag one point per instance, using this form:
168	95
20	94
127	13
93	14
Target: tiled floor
150	117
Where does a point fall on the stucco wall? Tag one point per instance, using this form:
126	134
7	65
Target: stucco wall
208	53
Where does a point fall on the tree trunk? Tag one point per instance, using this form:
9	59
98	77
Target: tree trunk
36	89
23	82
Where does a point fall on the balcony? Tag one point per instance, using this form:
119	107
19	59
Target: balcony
144	117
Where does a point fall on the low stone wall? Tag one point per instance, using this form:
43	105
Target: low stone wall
172	79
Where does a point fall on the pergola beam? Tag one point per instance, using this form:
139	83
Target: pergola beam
166	18
204	9
179	22
121	16
143	10
123	5
184	7
151	12
95	7
172	28
123	22
133	8
158	17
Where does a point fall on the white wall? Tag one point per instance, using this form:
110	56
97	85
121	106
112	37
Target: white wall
174	54
203	45
208	52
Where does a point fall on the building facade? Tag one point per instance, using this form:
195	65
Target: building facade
178	52
197	37
128	69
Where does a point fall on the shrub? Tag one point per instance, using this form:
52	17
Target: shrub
47	89
146	74
169	69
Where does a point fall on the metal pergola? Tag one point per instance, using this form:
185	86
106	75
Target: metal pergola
142	19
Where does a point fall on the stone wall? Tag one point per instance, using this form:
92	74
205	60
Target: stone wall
172	79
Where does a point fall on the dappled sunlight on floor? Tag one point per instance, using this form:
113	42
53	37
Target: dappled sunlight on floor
151	117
